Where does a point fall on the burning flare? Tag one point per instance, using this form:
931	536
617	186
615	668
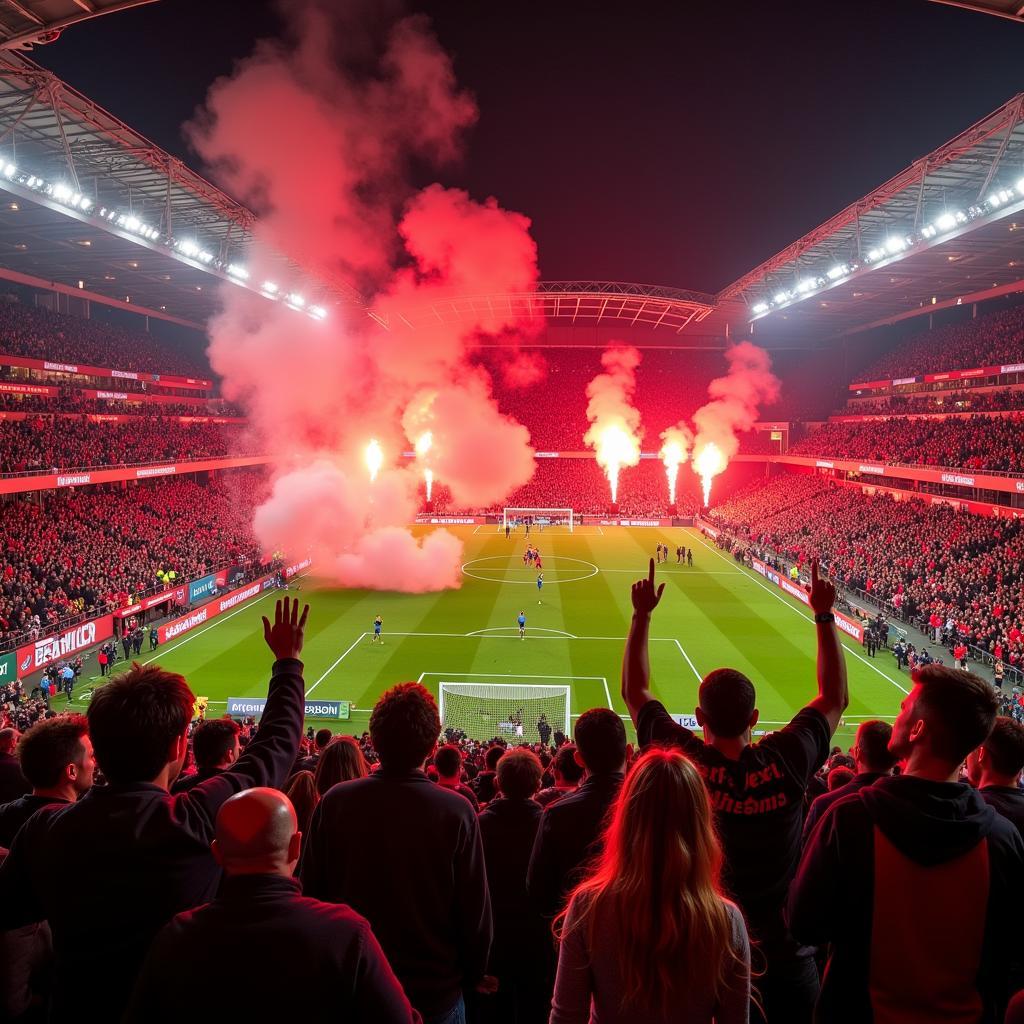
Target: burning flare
423	445
374	457
708	463
674	453
616	447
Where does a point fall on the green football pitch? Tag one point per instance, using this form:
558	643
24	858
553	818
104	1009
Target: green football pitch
713	614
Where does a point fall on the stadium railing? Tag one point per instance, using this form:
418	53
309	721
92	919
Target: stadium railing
30	636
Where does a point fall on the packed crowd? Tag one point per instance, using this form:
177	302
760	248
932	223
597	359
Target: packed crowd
976	442
72	400
928	563
79	555
416	876
941	402
581	484
41	443
671	384
989	340
40	334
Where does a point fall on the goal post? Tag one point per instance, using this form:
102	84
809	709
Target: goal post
513	711
539	517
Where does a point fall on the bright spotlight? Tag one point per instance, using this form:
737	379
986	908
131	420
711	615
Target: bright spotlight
318	312
761	307
86	203
946	222
895	244
808	284
837	272
296	300
781	297
188	248
10	171
61	192
238	271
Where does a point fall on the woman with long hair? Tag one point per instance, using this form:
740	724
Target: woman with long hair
648	937
341	761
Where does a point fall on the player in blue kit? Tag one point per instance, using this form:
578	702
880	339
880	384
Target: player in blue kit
522	625
378	624
540	584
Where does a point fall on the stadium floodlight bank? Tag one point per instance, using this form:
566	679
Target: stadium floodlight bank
511	710
539	517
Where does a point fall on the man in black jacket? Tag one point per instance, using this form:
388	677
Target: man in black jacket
570	829
995	769
12	780
327	965
874	760
415	869
523	955
915	881
215	747
56	756
148	852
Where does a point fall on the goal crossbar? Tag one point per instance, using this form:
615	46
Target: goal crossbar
540	516
487	710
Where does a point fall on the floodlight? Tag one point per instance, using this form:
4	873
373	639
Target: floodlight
761	307
781	297
10	170
838	271
85	204
318	312
895	244
61	192
238	271
296	300
189	248
808	284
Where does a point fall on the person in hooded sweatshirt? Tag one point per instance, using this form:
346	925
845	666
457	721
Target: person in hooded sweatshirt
914	881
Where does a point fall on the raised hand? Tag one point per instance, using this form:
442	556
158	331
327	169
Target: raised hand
285	637
823	593
645	596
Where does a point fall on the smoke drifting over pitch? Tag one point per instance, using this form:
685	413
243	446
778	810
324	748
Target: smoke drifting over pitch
320	151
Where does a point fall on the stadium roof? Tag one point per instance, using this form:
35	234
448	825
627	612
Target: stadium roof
610	303
943	229
1012	9
24	23
149	227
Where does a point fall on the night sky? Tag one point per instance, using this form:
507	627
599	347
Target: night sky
668	143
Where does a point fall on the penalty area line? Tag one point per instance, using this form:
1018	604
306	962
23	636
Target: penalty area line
355	643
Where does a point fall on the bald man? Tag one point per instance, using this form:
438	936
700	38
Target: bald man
261	950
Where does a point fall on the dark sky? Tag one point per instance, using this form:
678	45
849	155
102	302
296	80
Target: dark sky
668	143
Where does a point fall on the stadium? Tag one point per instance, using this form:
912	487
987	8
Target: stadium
661	569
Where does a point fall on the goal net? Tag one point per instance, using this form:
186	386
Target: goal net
513	711
537	518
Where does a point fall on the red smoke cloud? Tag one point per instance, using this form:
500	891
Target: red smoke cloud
735	399
320	151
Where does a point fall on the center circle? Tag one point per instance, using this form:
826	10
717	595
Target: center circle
478	564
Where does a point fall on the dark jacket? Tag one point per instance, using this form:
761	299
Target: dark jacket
183	783
148	857
820	805
323	961
568	837
1008	801
14	814
12	782
406	854
508	829
916	886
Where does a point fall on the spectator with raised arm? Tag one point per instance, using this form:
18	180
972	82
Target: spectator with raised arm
148	851
914	882
757	789
260	915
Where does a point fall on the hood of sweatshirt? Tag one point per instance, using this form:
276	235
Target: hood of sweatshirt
929	822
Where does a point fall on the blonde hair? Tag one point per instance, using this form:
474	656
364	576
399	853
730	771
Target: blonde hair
658	880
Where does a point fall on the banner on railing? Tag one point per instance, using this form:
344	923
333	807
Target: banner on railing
35	656
252	707
170	379
8	668
29	389
176	594
847	625
186	623
291	570
938	378
202	587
